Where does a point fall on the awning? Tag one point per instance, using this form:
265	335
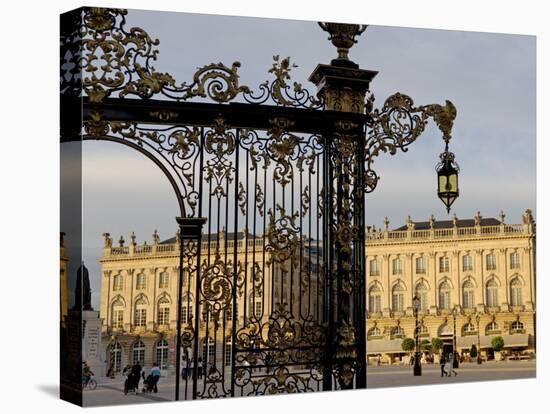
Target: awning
510	341
388	346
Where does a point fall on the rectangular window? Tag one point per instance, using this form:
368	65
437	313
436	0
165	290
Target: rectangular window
420	265
141	317
140	283
514	260
491	262
444	264
397	268
374	270
228	354
164	316
258	309
467	264
117	283
186	314
374	303
445	300
163	280
397	302
118	319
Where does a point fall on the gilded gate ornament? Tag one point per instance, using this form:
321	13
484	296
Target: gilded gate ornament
116	64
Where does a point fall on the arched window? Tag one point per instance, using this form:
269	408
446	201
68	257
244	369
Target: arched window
163	312
422	330
516	327
491	328
117	283
445	330
138	352
115	357
492	293
162	354
374	332
375	297
140	313
397	332
468	295
398	298
515	292
469	329
421	292
117	315
445	295
140	281
163	280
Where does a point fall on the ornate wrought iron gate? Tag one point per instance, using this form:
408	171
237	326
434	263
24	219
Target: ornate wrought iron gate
271	186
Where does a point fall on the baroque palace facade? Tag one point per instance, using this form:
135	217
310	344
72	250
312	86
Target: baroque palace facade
139	296
476	267
475	279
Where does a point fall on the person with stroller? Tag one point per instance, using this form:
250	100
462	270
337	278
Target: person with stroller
152	379
132	382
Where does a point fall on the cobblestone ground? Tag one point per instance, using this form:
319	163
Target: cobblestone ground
110	392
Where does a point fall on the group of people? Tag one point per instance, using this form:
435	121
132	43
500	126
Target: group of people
187	365
134	375
450	359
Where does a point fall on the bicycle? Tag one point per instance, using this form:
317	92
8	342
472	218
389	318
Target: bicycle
91	384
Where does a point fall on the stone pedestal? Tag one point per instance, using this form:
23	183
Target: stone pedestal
91	343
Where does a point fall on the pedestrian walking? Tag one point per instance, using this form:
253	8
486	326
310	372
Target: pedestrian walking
155	376
190	367
452	364
442	362
199	368
184	368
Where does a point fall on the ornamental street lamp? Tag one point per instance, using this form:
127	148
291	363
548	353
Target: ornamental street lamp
455	312
417	369
447	177
478	317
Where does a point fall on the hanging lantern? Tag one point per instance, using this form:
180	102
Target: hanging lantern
447	178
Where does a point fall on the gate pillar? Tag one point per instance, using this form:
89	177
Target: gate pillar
343	87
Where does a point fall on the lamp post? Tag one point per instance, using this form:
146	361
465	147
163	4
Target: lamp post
417	369
478	317
455	312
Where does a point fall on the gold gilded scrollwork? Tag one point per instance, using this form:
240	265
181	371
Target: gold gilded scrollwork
241	196
281	148
220	143
117	59
282	240
216	286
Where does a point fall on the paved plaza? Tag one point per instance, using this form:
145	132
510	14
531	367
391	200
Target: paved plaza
110	391
402	375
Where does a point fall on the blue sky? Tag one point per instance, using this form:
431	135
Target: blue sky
489	77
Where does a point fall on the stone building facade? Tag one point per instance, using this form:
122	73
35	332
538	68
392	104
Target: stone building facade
475	279
139	296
